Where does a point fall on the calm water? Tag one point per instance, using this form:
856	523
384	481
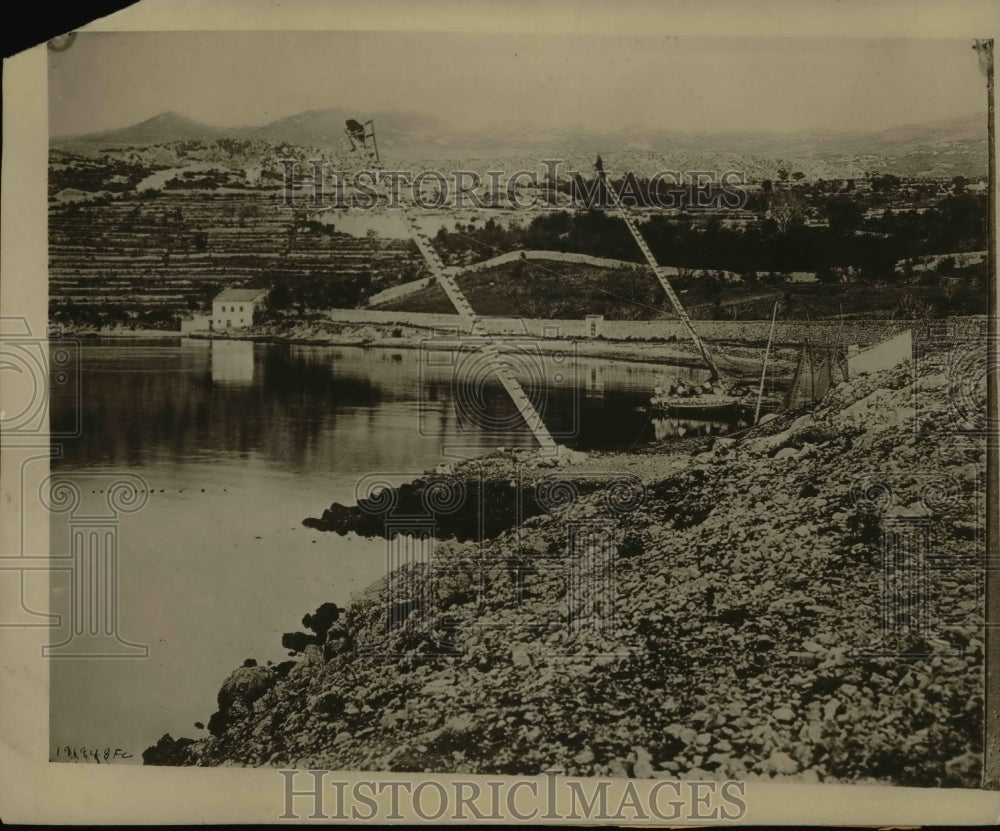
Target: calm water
236	444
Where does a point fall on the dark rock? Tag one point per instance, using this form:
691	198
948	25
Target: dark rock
245	686
297	641
320	622
965	530
168	751
734	617
322	619
631	546
763	643
329	704
455	589
400	612
339	641
481	506
218	723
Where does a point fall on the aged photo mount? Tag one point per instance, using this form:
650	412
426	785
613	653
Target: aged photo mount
558	415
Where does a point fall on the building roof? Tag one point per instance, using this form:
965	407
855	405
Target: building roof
239	295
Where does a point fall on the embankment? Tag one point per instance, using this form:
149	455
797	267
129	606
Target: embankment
720	621
741	361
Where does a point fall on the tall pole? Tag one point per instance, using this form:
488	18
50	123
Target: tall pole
991	744
658	272
763	372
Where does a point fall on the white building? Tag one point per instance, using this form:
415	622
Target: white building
234	308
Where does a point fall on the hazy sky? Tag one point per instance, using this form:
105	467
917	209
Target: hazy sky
107	80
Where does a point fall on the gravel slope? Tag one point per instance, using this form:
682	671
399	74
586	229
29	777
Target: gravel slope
746	610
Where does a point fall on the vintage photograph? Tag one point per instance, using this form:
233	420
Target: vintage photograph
521	404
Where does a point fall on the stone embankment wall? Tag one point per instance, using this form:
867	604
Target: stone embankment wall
864	333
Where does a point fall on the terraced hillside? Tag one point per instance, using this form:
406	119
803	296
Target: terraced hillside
172	251
546	289
536	288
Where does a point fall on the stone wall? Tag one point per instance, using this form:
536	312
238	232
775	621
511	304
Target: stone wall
863	333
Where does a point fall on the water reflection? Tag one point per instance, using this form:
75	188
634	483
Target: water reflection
594	381
232	362
312	409
239	442
679	428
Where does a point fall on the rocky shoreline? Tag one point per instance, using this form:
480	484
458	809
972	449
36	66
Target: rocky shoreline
741	638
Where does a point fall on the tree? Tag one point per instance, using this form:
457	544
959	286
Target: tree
827	276
885	183
280	297
843	214
878	263
788	210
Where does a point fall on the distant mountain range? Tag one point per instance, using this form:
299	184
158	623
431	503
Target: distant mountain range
311	128
159	129
943	148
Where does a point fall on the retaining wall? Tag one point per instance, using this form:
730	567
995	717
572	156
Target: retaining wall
864	333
